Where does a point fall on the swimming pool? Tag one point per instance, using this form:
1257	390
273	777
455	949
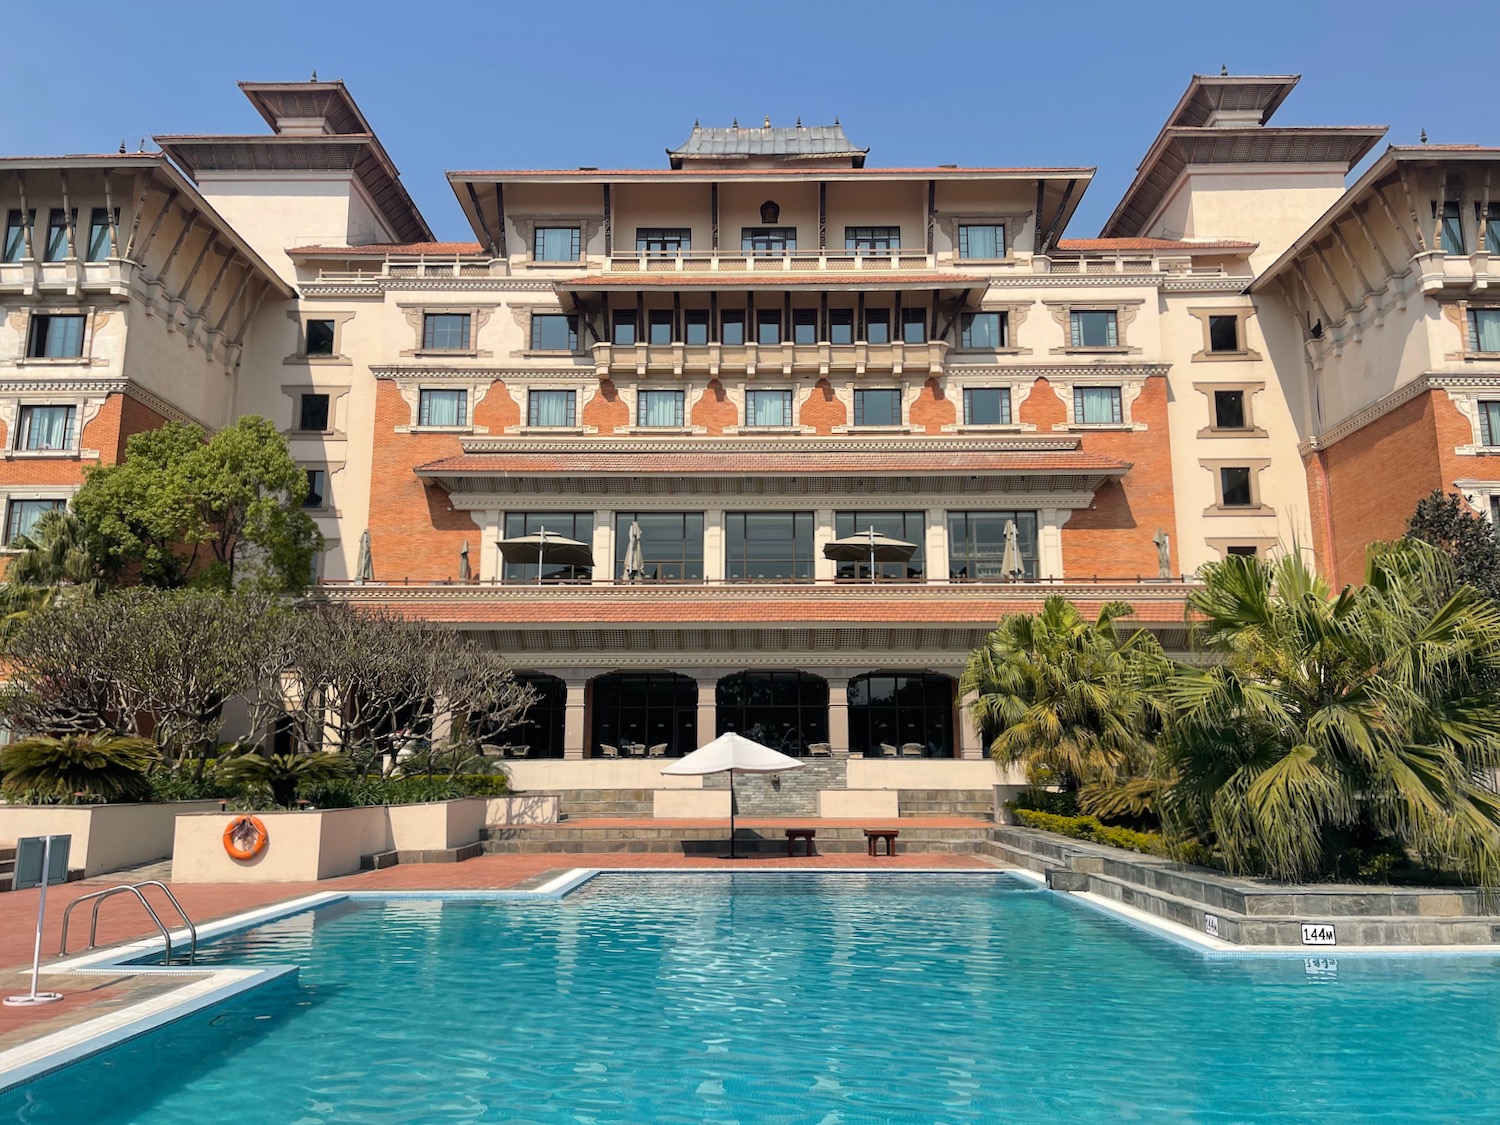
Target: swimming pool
758	998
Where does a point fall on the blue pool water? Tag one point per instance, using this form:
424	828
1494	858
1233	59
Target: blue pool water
833	999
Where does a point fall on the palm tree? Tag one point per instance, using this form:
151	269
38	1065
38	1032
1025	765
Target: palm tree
56	554
103	767
1366	716
282	774
1070	699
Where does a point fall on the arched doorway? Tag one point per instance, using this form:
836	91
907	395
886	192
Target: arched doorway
541	732
783	710
644	708
900	708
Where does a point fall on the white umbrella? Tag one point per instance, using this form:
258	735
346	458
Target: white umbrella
366	560
869	545
546	548
635	560
1010	562
732	753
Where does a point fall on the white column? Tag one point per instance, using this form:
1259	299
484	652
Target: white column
970	744
713	544
823	534
489	566
442	720
937	545
838	713
1049	563
574	731
604	545
708	706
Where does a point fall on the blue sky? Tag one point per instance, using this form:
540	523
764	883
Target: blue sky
451	84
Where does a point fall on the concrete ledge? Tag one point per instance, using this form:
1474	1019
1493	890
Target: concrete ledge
858	804
690	804
105	837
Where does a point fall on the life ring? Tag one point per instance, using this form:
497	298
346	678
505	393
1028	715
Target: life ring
240	827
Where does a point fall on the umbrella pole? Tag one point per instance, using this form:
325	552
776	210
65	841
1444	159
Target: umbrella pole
731	816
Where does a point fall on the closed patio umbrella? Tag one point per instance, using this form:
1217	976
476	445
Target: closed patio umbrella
465	572
366	560
546	547
871	546
732	753
1011	566
635	560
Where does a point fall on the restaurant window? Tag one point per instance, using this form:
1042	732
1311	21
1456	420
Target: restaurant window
671	545
550	408
317	489
872	238
696	327
841	326
1094	328
981	241
446	332
55	337
58	223
914	326
442	408
15	234
46	428
623	327
768	408
659	326
1097	406
317	338
634	711
554	332
892	710
99	227
877	407
987	406
976	544
568	525
787	711
732	328
982	331
878	326
768	240
663	240
542	729
660	409
805	326
557	244
1484	330
768	546
21	516
312	413
767	326
907	527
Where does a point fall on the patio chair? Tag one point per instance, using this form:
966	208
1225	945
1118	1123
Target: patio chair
887	750
659	750
820	750
609	751
520	751
911	749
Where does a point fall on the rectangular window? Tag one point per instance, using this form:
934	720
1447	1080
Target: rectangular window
55	337
981	241
906	527
443	408
841	326
768	408
1247	551
623	327
550	408
1453	228
15	234
567	525
878	326
554	332
768	546
663	240
914	326
556	244
671	545
983	331
696	328
58	222
659	326
877	408
872	238
768	240
46	428
1235	483
1484	330
1490	224
448	332
732	328
767	326
317	488
312	415
1229	410
1097	406
1489	423
1224	334
319	337
660	408
976	545
21	516
1095	329
986	406
99	233
805	326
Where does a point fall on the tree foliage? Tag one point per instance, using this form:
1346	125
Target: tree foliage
282	775
89	767
1446	521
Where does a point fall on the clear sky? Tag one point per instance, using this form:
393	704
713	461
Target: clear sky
562	83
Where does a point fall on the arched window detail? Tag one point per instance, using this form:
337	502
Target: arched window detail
894	709
783	710
644	709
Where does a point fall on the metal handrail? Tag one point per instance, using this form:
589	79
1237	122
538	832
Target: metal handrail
98	897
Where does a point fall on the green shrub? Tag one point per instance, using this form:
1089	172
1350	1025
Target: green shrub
1058	803
347	793
76	769
1089	828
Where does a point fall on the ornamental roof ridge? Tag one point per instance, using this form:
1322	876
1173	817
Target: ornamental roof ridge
602	445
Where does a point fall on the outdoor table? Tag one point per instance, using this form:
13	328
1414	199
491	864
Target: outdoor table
874	835
805	835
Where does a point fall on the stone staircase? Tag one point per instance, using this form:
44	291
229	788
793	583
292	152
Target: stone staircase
585	803
977	803
794	793
668	839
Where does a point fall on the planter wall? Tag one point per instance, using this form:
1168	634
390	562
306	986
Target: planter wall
508	812
105	837
549	774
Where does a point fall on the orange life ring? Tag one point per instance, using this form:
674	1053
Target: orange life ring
241	826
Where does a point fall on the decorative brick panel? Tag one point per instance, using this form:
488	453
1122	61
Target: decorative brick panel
713	411
823	410
604	410
933	409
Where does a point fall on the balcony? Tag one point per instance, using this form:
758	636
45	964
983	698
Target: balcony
71	276
406	267
769	359
776	261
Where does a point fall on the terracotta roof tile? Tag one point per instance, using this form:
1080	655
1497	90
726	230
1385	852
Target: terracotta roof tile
790	463
1151	244
763	173
382	249
825	279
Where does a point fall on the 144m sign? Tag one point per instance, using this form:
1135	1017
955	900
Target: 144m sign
1318	933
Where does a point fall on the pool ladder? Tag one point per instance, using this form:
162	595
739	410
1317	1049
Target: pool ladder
98	898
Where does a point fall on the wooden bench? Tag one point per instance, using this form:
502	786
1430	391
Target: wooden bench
805	835
874	835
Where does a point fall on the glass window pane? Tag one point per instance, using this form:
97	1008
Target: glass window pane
914	326
99	234
872	238
57	237
1236	485
1096	406
557	244
1453	229
15	235
1094	329
624	327
877	408
663	240
768	545
317	485
805	326
768	240
697	326
660	408
987	406
768	408
46	427
1486	329
1223	333
841	326
1489	423
446	331
319	337
976	544
732	328
550	408
21	517
659	324
671	545
908	527
983	331
56	337
767	326
1229	410
981	241
569	525
901	713
442	408
554	332
878	326
313	415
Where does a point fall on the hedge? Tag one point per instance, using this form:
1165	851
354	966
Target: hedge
1089	828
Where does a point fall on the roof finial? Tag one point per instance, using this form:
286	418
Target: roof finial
122	146
736	123
695	124
314	78
143	145
1424	136
1223	71
799	121
836	121
767	125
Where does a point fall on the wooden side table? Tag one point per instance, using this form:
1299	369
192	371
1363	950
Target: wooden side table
874	835
805	835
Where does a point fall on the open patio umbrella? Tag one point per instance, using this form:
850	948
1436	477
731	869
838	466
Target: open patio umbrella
546	547
465	571
366	560
635	560
871	546
732	753
1011	566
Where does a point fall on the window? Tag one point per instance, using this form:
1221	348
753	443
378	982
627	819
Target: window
768	240
45	428
15	234
768	545
976	544
554	332
645	708
671	545
1490	227
1235	484
877	408
805	326
767	326
1453	228
1097	406
660	408
659	326
981	241
732	327
319	339
1229	410
787	711
567	525
1094	329
21	516
312	415
663	240
57	247
1484	330
443	408
1224	334
914	326
768	408
878	326
624	326
556	244
550	408
983	331
1489	423
55	337
448	332
696	328
907	527
317	489
892	708
872	238
986	406
841	326
99	226
1247	551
